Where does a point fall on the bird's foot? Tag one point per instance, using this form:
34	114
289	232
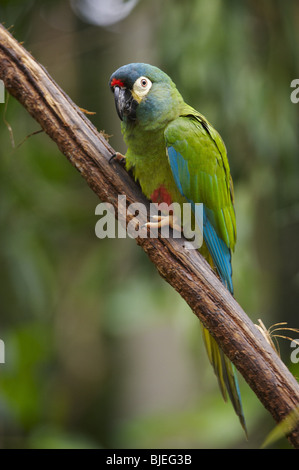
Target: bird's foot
119	157
160	221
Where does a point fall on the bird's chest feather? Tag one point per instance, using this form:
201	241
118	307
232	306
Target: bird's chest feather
151	168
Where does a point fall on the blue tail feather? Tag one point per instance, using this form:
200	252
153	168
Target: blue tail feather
219	251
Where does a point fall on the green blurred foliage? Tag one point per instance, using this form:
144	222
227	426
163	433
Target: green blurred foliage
100	351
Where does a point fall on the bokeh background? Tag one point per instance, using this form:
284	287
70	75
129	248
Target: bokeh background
100	351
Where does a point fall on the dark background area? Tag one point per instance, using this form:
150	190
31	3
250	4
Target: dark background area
100	351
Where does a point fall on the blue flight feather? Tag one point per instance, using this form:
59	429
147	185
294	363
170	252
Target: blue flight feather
219	251
221	256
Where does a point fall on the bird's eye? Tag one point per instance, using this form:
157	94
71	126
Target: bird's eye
141	87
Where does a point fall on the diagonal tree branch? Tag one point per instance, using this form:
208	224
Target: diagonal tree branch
186	271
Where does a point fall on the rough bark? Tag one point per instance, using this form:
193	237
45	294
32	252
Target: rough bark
185	270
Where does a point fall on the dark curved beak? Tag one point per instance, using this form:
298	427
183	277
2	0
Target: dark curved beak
124	103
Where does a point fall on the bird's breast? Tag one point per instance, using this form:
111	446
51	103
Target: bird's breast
160	195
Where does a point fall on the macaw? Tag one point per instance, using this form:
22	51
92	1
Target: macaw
177	156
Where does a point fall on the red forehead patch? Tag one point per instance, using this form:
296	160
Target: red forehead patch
117	82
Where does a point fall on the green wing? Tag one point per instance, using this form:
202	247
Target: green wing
208	177
199	164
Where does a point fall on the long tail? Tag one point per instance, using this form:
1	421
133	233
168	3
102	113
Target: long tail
223	368
218	253
226	375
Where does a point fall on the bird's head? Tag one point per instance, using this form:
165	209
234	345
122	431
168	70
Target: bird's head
143	93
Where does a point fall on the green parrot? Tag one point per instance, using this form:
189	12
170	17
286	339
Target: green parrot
177	156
